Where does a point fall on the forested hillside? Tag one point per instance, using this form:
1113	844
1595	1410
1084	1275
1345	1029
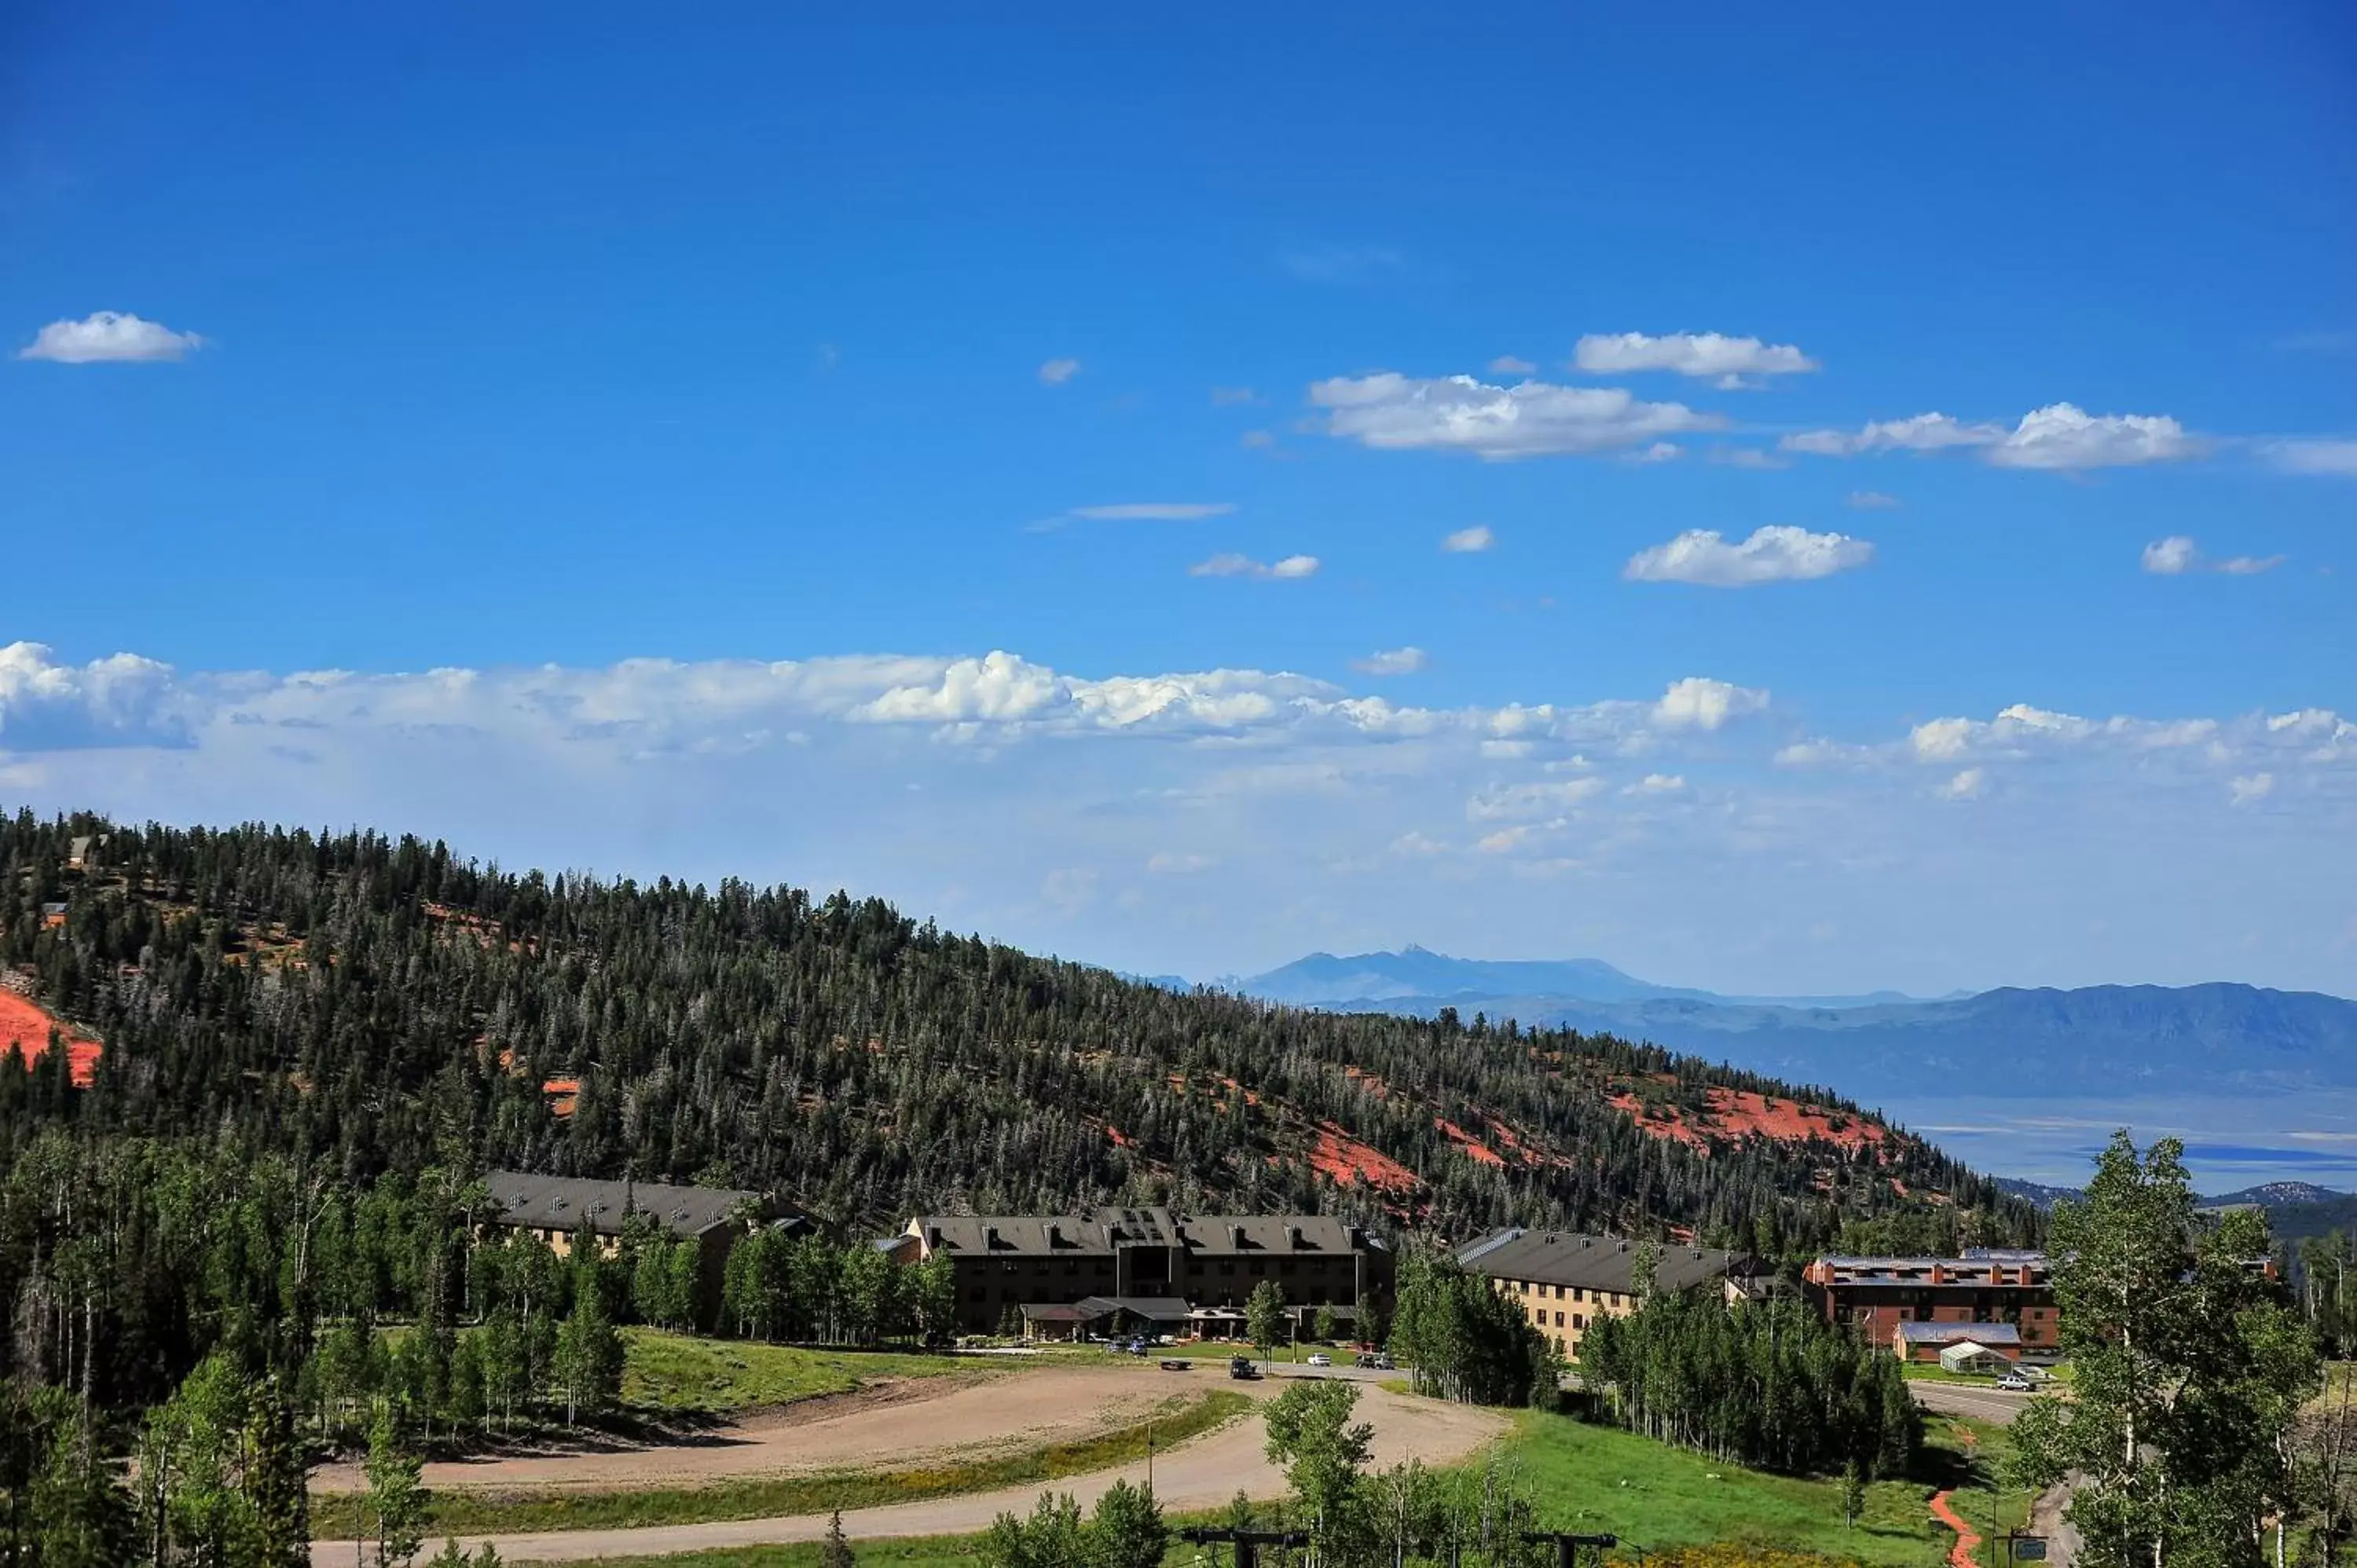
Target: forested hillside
359	1005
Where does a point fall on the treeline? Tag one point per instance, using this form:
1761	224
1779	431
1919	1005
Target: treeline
1768	1384
125	1262
1461	1339
364	1005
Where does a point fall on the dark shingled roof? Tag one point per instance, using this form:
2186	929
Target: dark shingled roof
1100	1234
566	1203
1596	1263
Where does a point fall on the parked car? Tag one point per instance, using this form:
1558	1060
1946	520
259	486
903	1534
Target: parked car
1241	1368
1177	1364
1363	1359
2015	1384
1321	1359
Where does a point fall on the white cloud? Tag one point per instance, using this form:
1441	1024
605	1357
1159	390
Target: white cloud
2251	786
1391	661
1968	785
2060	436
1707	354
1871	501
109	336
1460	414
959	786
1777	554
1229	563
1507	365
1702	703
1657	784
2177	556
1166	864
1154	512
1056	372
1659	452
2333	457
1469	540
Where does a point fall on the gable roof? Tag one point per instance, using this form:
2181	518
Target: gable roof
567	1203
1109	1230
1592	1262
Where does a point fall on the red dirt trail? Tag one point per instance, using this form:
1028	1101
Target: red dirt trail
1968	1540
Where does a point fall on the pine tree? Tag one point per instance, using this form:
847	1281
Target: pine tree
835	1551
396	1497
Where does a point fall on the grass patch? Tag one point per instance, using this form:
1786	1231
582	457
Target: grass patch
663	1371
926	1552
335	1516
1599	1478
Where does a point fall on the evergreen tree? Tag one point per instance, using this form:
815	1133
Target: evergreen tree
834	1552
278	1515
396	1498
1126	1529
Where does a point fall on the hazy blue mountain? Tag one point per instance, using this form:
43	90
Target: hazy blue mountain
1415	974
2109	1041
2037	1194
2276	1195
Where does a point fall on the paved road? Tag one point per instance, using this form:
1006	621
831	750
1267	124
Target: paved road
1202	1474
1980	1404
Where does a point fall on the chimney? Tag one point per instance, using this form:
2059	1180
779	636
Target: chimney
1939	1274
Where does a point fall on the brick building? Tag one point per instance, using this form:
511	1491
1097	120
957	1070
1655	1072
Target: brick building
1875	1295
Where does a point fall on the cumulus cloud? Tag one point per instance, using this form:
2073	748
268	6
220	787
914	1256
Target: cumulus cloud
1460	414
1229	563
1508	365
2250	787
1701	702
109	336
1469	540
1657	784
2060	436
1056	372
1166	862
2177	556
1777	554
1711	354
1391	661
2333	457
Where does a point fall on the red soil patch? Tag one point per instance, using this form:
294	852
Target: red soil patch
1739	1113
1477	1150
1361	1075
1350	1162
564	1094
25	1028
1968	1540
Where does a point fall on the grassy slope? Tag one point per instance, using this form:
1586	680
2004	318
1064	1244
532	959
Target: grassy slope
1599	1478
674	1372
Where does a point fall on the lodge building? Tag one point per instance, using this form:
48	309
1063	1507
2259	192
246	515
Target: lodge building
1146	1266
1895	1303
1564	1282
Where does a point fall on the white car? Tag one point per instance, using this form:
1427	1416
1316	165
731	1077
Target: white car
1321	1359
2013	1383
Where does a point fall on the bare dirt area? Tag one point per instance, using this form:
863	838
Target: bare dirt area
893	1422
1019	1411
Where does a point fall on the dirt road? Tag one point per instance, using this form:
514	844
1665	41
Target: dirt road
1200	1473
916	1421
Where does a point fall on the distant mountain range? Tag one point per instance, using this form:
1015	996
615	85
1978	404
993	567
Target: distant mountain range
2102	1040
2276	1196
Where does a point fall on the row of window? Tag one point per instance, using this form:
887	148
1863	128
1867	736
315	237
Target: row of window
1103	1266
1539	1316
1562	1293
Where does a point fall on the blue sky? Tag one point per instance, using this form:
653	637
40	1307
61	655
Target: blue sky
708	400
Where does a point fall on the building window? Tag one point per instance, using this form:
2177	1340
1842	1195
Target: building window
1579	1293
1579	1320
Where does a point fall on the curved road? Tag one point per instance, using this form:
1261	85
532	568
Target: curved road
1202	1473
